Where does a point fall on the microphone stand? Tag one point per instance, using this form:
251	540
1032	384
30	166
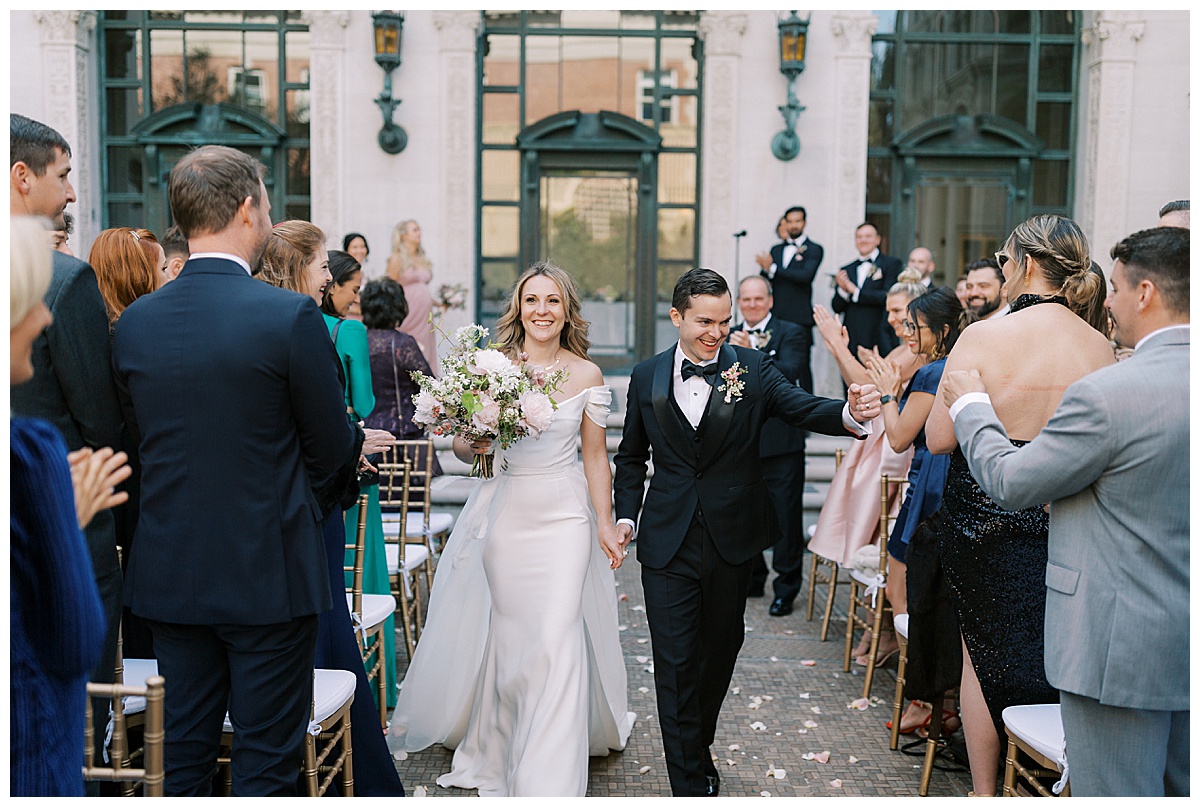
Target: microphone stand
737	250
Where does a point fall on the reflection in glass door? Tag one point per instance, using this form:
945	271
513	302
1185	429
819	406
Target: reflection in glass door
962	219
588	225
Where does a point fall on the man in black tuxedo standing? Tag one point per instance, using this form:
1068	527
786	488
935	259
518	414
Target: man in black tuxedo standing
861	296
781	447
791	266
700	407
72	384
232	386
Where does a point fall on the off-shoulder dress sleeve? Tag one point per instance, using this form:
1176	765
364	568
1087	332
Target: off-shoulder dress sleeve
598	404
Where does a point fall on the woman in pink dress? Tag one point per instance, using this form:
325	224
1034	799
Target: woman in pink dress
409	267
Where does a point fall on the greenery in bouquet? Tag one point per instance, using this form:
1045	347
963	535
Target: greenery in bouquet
482	395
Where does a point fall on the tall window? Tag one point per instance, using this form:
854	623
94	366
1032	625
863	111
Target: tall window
1020	65
534	64
153	61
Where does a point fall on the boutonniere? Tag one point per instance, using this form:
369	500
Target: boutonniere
800	249
733	382
876	272
760	339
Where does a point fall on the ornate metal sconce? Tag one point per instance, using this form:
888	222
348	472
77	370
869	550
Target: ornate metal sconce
793	37
389	26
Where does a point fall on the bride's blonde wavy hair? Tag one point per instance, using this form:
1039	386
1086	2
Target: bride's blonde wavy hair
1060	250
510	332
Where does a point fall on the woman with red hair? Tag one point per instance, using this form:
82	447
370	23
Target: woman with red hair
128	264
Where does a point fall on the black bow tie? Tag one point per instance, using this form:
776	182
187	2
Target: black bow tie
861	261
789	242
755	330
708	371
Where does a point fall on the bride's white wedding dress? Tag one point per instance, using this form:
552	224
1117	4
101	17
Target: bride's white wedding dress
519	667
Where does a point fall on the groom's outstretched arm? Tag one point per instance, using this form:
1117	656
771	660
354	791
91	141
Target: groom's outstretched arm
802	409
629	485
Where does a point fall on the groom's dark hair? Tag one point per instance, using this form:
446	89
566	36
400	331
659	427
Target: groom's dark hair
696	282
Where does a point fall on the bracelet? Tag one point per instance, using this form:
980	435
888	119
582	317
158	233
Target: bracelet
885	399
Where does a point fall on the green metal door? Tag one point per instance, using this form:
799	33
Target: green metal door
588	193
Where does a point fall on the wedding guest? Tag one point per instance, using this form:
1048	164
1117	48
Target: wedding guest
62	236
355	245
861	291
1176	214
994	561
986	295
73	383
175	247
394	356
960	289
295	258
128	263
921	259
1113	461
56	619
233	387
408	266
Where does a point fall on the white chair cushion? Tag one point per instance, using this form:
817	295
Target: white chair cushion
900	622
376	608
438	523
414	556
812	530
863	577
1039	726
136	671
331	689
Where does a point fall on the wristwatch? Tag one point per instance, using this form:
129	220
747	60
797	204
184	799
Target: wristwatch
885	399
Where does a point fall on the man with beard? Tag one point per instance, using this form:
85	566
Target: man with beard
790	266
985	290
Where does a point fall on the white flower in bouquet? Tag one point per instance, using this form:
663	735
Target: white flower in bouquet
486	362
537	410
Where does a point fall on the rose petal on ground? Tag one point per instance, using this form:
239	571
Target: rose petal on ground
822	757
419	791
852	760
861	704
816	710
836	783
400	755
623	597
642	641
810	755
638	608
802	731
758	725
735	747
755	706
789	633
768	698
730	762
643	690
622	627
803	695
736	691
779	773
645	769
765	793
641	659
774	658
810	724
808	663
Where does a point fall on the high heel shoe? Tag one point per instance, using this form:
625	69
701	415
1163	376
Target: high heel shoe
923	725
947	729
880	660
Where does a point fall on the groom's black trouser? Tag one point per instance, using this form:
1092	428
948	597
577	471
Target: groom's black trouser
695	607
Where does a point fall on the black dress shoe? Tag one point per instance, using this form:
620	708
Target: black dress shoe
714	784
781	607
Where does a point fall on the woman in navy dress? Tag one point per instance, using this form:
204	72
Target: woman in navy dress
295	258
931	330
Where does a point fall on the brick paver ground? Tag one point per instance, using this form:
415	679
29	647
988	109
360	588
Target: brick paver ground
803	709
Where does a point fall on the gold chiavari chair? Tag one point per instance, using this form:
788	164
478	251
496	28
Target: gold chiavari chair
824	571
328	750
368	612
869	592
421	524
1035	733
151	773
405	560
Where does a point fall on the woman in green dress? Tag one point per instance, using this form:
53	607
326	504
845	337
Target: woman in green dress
350	342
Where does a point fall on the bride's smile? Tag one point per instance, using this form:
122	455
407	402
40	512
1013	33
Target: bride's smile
543	312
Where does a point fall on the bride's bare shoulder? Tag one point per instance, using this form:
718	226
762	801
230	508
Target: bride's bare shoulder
582	373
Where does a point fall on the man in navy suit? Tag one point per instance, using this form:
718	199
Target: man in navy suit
231	386
861	296
700	407
72	384
791	266
781	447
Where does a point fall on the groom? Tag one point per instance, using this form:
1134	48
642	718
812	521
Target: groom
701	406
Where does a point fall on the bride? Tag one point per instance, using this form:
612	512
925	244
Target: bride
519	667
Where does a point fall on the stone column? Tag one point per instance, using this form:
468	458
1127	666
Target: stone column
457	40
66	44
852	32
722	34
1111	56
327	44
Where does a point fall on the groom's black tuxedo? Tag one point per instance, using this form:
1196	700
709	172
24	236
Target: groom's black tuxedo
706	514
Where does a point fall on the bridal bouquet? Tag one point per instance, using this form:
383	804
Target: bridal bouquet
482	395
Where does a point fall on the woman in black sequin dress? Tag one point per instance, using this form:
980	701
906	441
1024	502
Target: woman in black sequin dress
995	561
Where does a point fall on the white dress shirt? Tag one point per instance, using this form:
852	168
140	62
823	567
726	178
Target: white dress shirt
789	252
691	395
225	256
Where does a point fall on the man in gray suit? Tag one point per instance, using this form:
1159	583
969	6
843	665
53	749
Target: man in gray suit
1113	462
